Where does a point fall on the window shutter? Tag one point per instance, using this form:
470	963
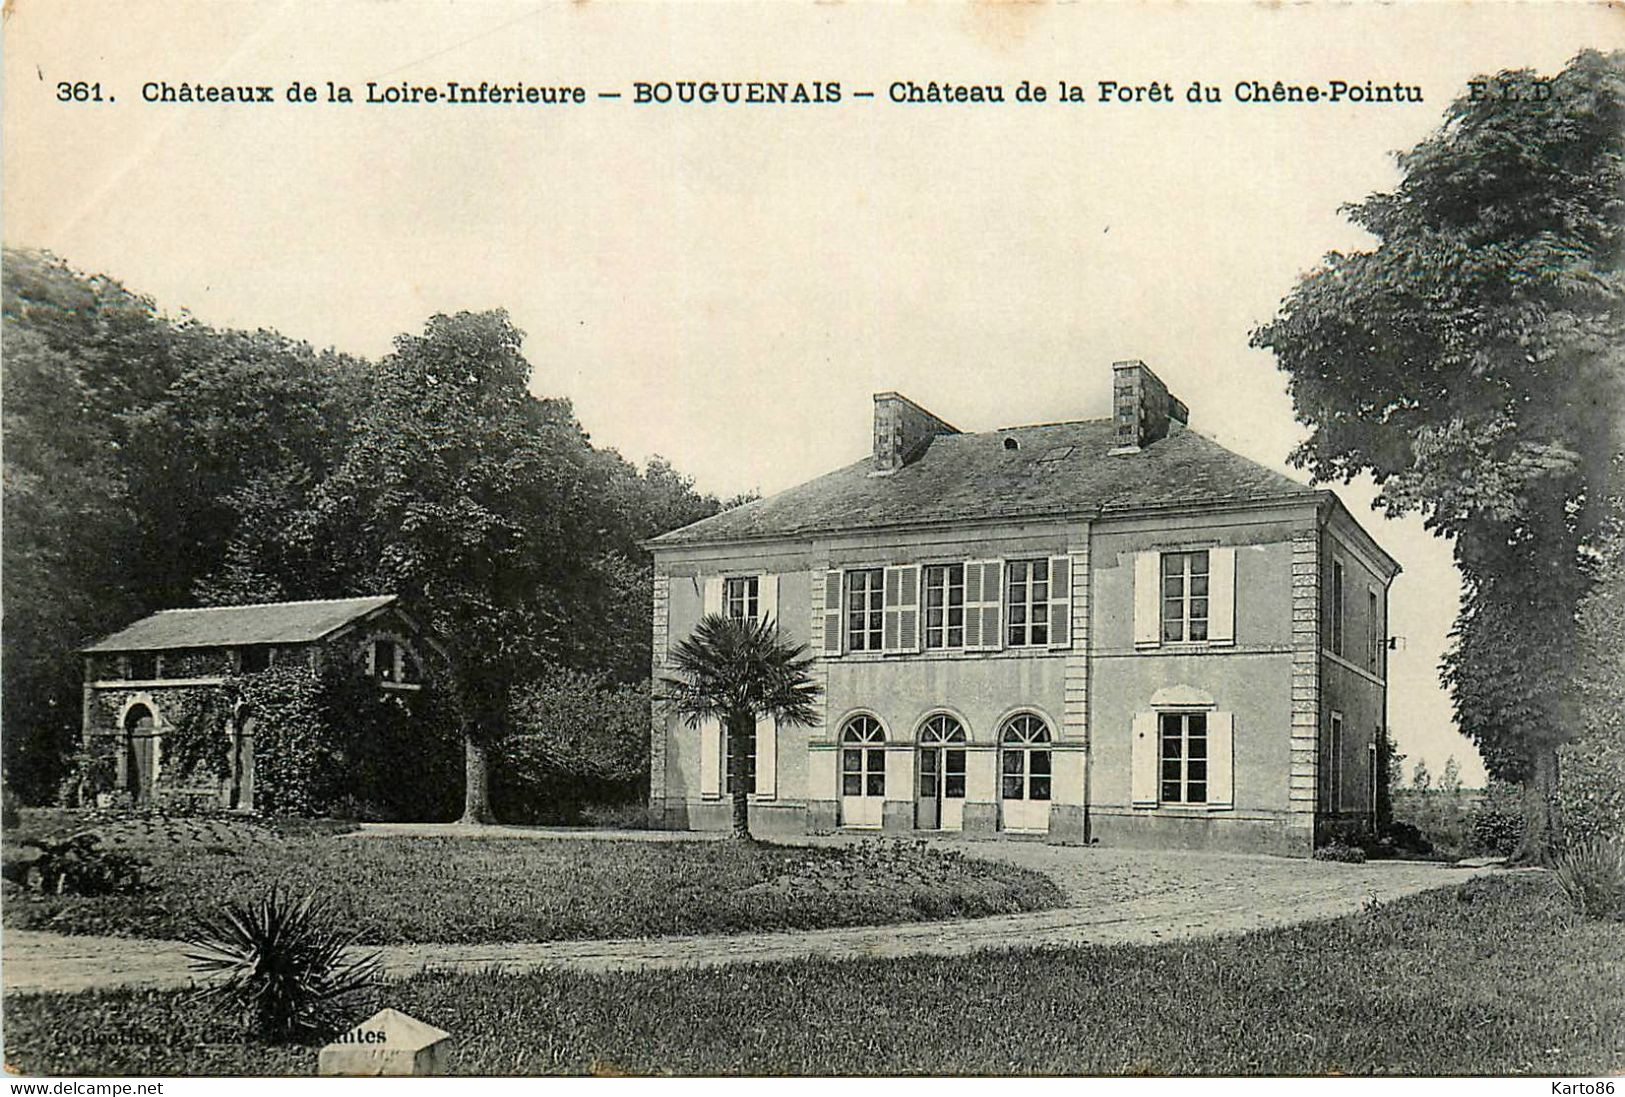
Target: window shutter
993	604
767	757
1220	760
973	606
1143	759
1060	601
710	758
832	613
984	602
713	595
1148	598
767	598
902	609
1221	567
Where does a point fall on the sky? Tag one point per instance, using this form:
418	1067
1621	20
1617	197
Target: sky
728	285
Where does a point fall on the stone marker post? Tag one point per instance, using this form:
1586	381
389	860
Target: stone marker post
389	1043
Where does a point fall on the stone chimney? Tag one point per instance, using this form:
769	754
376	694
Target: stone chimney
902	431
1142	407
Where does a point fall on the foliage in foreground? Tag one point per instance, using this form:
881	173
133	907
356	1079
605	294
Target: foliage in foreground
277	965
1495	977
410	890
1592	875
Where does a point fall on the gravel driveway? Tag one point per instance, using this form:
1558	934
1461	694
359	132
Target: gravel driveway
1116	896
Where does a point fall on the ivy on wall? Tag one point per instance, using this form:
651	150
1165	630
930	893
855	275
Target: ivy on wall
331	742
197	730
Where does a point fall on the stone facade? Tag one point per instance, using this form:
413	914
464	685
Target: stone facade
1157	672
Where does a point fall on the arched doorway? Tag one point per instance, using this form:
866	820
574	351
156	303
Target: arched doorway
863	772
1024	770
140	753
940	804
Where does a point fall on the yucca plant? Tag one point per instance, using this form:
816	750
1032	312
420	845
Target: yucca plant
278	963
1592	875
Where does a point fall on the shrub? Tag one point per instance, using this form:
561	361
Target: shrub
579	739
1494	828
91	771
633	816
1339	851
1408	838
1592	875
77	865
281	966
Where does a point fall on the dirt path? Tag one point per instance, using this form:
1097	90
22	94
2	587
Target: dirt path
1116	897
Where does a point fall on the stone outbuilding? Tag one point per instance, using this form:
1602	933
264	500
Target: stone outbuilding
137	679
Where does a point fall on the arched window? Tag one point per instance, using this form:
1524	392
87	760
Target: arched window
863	757
1024	746
941	728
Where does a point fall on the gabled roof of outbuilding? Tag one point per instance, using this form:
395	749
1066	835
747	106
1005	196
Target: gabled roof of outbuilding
236	626
1055	470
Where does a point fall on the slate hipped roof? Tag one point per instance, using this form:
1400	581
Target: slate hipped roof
1056	469
238	626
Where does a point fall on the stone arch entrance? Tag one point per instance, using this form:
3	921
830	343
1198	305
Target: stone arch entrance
140	752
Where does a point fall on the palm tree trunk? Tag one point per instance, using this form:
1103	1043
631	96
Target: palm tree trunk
476	781
741	734
1539	808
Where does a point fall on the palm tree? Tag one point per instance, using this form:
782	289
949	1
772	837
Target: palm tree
734	671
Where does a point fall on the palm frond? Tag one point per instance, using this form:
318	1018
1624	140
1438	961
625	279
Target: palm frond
727	668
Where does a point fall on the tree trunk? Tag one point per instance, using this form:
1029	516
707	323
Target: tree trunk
1539	808
742	735
476	782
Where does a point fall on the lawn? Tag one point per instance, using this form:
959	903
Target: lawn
480	890
1494	977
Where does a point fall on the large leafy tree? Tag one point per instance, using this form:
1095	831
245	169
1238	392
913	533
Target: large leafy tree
734	671
80	353
477	503
126	435
1473	362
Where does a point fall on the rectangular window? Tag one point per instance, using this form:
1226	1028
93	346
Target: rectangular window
1373	632
383	660
1184	596
739	598
953	775
852	771
256	658
143	665
865	609
1334	764
1015	775
1337	607
1027	596
945	606
1183	757
750	762
1038	778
